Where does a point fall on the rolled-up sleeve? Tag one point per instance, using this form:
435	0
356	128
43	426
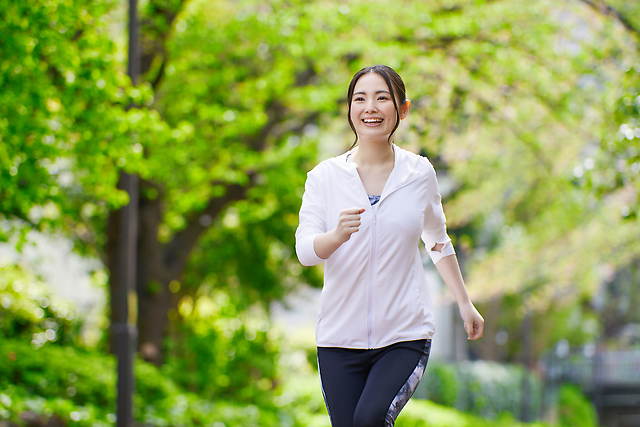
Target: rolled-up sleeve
312	221
435	224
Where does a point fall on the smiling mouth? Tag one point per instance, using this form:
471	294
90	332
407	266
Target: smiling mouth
372	121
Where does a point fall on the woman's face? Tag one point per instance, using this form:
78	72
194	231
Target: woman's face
372	110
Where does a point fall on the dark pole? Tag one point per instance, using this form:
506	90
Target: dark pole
133	68
527	363
125	298
124	329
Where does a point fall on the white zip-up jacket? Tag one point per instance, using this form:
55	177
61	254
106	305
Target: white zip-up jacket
375	291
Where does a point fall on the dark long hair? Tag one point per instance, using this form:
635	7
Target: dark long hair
395	85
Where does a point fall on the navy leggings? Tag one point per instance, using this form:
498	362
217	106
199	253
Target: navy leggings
368	388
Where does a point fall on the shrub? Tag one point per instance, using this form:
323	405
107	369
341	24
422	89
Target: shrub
220	351
78	387
483	388
441	384
420	413
29	312
574	409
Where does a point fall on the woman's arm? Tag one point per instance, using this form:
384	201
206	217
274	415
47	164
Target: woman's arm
327	243
450	271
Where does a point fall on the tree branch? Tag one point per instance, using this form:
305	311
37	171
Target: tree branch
276	110
156	27
177	251
441	42
156	81
607	10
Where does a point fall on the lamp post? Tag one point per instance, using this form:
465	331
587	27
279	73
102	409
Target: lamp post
124	297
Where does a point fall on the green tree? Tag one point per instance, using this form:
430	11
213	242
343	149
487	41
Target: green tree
509	98
61	114
551	244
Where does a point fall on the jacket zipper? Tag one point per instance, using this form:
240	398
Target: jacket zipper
372	259
372	265
374	246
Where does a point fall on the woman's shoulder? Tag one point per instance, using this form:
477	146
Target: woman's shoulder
417	161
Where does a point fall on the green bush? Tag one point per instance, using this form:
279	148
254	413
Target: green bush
574	409
79	387
441	384
220	351
420	413
483	388
29	312
81	376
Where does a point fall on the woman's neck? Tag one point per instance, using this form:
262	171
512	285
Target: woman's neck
373	154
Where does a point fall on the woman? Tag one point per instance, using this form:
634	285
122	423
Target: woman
363	214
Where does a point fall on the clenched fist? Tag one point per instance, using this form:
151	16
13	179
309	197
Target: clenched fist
348	223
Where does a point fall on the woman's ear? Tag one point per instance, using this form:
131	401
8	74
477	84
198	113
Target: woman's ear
404	109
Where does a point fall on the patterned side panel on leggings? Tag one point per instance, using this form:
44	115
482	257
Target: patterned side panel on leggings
409	387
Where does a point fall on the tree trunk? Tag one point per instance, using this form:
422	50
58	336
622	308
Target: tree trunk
152	283
152	279
159	263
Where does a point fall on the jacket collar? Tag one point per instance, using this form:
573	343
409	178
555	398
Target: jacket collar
405	169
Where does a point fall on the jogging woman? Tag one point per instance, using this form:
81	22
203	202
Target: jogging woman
363	214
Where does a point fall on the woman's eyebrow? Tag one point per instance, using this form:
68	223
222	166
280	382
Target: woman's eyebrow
377	92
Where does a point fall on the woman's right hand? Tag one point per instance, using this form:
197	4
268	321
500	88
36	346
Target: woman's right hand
348	223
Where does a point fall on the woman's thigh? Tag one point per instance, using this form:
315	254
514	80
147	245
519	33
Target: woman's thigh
343	375
364	388
392	380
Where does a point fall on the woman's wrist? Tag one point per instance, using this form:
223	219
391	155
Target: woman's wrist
465	302
326	244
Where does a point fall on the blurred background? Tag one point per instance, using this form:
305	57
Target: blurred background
529	111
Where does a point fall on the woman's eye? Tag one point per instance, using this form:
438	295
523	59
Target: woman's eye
383	98
359	99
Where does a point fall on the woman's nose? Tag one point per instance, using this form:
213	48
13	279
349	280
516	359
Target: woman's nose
370	108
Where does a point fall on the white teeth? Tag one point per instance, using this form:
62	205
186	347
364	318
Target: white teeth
372	120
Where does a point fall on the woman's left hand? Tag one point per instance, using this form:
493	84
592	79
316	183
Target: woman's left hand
473	321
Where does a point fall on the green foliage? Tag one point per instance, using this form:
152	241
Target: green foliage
301	392
222	352
249	252
576	321
427	414
522	103
78	386
507	97
481	388
80	376
29	312
62	113
559	204
574	409
441	384
215	123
